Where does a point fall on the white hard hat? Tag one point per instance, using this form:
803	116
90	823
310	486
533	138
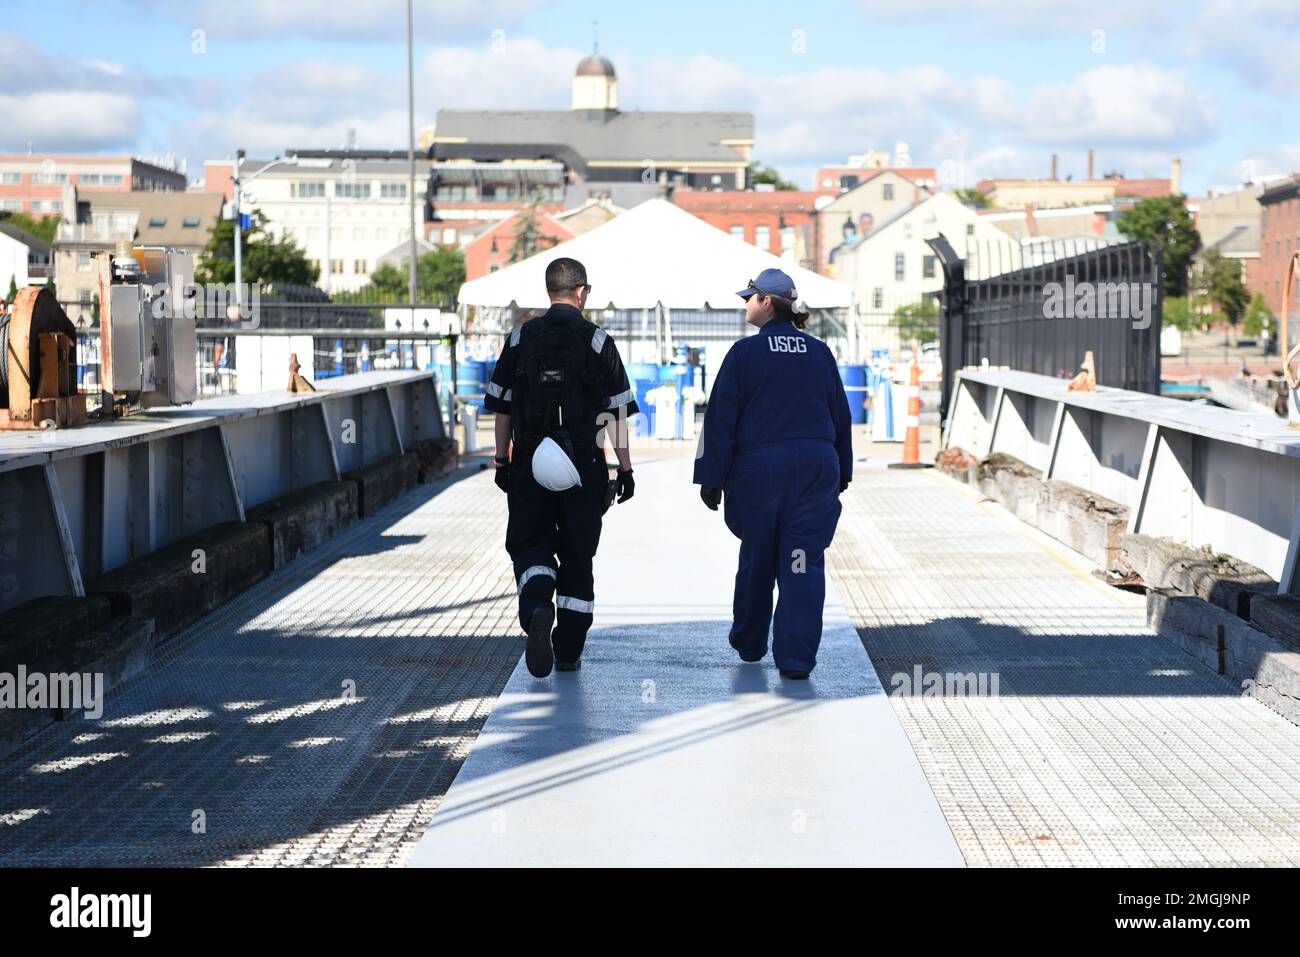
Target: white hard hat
552	468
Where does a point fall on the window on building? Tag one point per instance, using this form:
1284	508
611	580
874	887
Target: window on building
763	237
307	189
970	229
88	179
381	233
738	232
11	205
392	190
110	179
157	222
927	267
878	298
190	222
352	190
887	191
11	179
448	235
46	178
315	265
899	260
359	267
336	267
83	262
493	268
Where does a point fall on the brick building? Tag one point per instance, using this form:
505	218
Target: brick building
1279	238
38	183
781	222
490	250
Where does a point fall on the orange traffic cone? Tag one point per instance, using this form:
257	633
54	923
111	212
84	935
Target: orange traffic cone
912	438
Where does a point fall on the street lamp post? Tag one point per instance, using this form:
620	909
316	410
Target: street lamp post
413	274
238	215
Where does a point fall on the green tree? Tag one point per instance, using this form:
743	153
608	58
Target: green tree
1258	318
49	284
44	228
1218	281
440	274
971	197
266	258
918	322
1163	222
13	289
438	278
769	176
1178	313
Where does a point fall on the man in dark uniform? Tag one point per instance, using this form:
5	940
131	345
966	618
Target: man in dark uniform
559	387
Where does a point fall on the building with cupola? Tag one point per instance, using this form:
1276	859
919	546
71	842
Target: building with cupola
486	163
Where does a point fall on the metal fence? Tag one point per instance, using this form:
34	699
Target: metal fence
1039	307
329	339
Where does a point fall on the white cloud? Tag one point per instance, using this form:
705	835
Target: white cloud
70	120
1134	105
1255	38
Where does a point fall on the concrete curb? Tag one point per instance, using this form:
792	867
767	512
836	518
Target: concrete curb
306	519
1263	667
1086	522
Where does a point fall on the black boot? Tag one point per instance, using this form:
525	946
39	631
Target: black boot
538	655
791	673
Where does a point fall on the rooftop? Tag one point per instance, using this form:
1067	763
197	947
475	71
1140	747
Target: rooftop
616	136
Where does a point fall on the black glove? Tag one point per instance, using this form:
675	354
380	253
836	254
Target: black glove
502	478
712	497
626	486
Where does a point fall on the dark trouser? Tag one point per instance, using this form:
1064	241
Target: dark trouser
782	502
552	539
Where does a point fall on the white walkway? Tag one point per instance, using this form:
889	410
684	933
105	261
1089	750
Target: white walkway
666	750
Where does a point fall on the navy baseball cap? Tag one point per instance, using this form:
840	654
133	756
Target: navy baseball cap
773	282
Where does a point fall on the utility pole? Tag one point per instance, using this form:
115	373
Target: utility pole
239	236
410	146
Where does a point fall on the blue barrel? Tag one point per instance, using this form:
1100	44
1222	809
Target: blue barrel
855	387
644	377
469	377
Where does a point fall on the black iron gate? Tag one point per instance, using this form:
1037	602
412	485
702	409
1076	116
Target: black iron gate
1039	307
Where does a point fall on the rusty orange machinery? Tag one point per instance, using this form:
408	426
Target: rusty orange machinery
38	369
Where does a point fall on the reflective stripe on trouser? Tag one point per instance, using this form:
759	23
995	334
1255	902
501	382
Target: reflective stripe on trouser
559	531
783	507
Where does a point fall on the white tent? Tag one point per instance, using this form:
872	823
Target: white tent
655	253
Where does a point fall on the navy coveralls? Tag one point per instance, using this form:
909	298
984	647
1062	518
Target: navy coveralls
552	536
776	440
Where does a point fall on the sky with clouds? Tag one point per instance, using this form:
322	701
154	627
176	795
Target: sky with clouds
977	88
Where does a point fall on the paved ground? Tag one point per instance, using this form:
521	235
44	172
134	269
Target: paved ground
319	719
666	750
1105	746
315	720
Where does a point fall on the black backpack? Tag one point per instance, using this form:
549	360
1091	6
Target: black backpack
557	385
